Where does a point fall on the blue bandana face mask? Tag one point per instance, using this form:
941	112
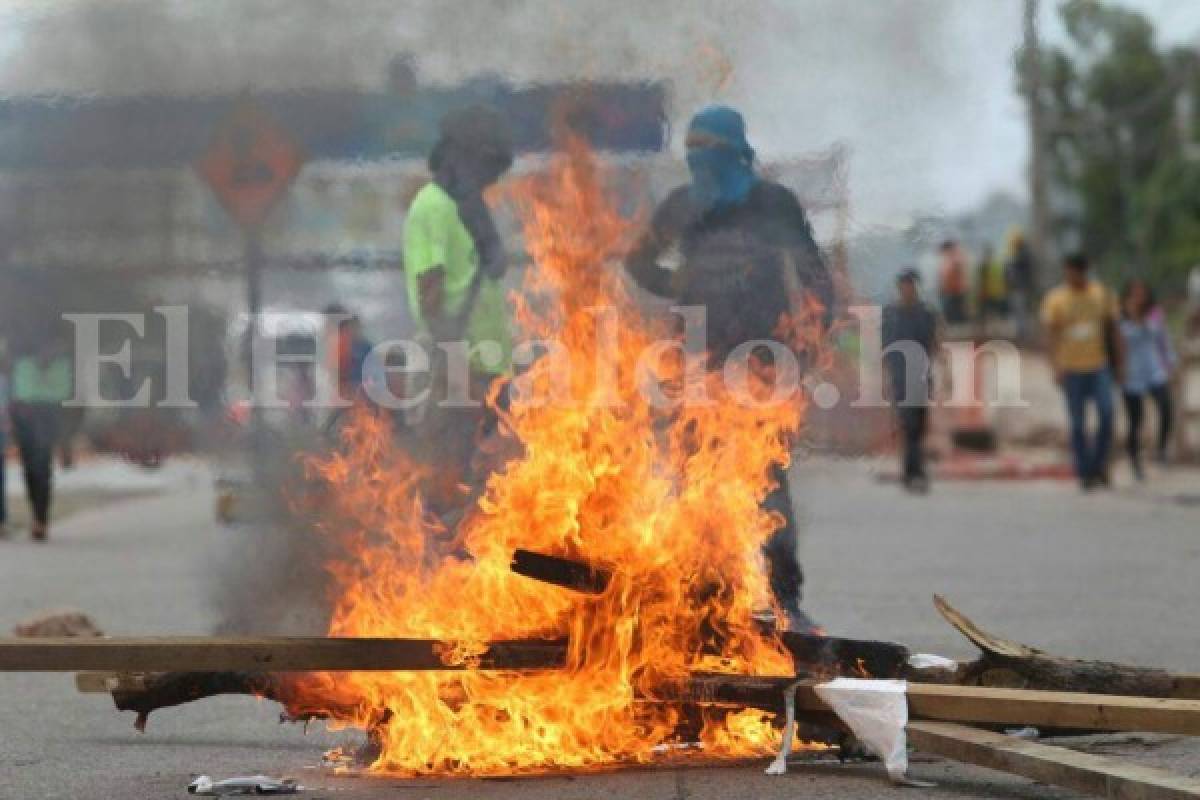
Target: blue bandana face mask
721	176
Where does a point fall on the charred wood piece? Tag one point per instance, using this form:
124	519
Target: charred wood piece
856	658
176	688
1010	664
1003	663
564	572
153	691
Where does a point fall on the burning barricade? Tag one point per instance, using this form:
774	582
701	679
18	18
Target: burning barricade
601	596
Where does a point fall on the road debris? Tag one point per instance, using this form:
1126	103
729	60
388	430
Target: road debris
204	786
60	622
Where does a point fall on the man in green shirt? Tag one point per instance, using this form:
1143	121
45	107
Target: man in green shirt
41	383
454	262
441	267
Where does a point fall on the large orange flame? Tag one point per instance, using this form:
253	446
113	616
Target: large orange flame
668	498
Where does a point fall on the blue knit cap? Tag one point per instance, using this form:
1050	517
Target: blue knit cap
722	163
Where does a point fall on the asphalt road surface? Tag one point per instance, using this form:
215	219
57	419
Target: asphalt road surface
1110	576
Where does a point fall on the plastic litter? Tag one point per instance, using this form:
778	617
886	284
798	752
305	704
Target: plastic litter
246	784
929	660
1028	733
876	711
779	765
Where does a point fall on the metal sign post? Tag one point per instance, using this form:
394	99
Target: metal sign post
250	164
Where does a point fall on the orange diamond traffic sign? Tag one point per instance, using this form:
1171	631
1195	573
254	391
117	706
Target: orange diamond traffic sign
250	164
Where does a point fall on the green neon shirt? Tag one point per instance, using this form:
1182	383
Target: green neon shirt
434	236
31	383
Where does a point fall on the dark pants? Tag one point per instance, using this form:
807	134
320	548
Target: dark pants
784	573
954	308
1080	388
783	566
448	437
993	307
36	429
913	420
1135	413
1021	305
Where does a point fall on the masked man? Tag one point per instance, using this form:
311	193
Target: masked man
741	244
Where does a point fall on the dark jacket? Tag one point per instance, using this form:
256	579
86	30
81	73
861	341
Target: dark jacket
731	261
918	324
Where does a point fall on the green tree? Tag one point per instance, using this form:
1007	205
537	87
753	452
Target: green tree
1123	188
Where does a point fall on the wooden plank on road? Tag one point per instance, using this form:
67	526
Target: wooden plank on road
972	704
1061	710
1102	712
1084	772
1187	685
262	654
1072	710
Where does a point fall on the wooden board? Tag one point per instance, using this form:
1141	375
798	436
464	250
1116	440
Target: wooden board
1054	709
1051	710
560	571
1084	772
1018	707
1187	685
108	682
265	654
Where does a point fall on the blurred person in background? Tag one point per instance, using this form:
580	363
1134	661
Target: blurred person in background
350	351
1192	323
1018	269
909	321
992	287
1149	361
4	431
1080	320
454	262
299	381
952	282
41	383
70	422
742	244
347	365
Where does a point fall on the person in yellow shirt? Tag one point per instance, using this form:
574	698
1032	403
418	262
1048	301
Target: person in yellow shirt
1080	317
454	264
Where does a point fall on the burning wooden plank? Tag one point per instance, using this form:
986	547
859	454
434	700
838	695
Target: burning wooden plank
1002	663
564	572
1083	772
150	688
855	658
267	654
1050	710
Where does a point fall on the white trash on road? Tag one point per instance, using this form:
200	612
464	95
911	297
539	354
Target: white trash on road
247	784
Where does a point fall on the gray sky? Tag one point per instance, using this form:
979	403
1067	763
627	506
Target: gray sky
921	90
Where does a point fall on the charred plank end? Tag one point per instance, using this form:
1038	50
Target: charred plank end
564	572
525	654
176	688
147	692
